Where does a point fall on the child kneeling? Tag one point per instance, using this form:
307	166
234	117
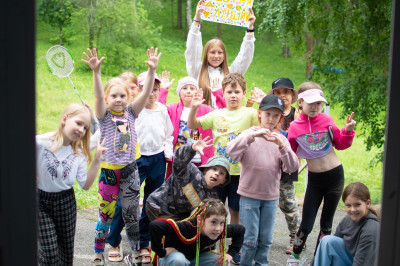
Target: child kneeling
355	240
189	242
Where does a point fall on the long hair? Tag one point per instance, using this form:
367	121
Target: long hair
80	145
115	82
360	191
204	78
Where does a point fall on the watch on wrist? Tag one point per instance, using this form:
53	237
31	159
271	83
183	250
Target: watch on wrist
249	30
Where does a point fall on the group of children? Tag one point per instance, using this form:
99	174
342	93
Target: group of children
192	156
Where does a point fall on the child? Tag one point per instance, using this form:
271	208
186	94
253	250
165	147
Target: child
283	87
61	159
189	241
154	130
119	175
355	240
263	151
132	83
179	112
310	137
188	185
227	124
214	64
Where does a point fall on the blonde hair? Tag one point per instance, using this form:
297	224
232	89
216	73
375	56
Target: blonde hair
308	85
129	77
204	78
278	125
80	145
115	82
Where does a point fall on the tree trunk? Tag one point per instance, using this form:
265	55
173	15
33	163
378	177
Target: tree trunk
285	49
189	12
92	8
172	13
179	16
309	50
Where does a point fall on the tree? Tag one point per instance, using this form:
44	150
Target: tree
350	35
56	13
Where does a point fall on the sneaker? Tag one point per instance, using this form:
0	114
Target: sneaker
236	259
289	248
129	260
292	261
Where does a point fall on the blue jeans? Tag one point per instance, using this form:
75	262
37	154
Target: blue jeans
332	251
152	169
114	237
258	217
178	259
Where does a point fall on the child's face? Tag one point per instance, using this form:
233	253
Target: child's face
310	109
186	94
269	118
213	226
75	127
215	56
356	209
117	99
286	95
233	97
154	94
215	176
133	90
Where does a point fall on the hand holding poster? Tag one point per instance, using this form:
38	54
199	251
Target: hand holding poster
233	12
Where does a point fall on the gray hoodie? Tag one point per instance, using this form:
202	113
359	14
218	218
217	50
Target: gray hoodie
360	238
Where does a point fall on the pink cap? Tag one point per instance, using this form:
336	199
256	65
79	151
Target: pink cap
142	77
312	96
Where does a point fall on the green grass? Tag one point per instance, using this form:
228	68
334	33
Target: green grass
54	94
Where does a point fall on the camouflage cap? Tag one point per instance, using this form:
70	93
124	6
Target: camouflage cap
220	161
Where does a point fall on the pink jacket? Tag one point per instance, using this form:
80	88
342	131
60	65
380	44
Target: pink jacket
262	162
175	112
219	97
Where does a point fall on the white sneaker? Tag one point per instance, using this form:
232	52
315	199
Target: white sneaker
292	261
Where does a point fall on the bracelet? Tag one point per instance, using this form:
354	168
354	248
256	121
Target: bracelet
198	21
249	30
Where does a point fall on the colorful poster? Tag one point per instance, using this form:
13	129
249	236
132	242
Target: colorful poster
233	12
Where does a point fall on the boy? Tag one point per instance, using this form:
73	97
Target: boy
188	185
226	124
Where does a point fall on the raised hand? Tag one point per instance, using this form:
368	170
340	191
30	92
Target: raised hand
201	144
350	123
100	150
217	84
251	99
197	98
165	83
269	136
92	60
153	57
251	19
199	9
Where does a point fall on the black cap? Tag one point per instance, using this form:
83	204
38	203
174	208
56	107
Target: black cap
282	83
272	101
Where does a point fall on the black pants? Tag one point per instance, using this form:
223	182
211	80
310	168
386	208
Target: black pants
327	186
56	227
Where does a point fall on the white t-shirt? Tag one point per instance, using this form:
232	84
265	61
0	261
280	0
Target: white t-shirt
57	171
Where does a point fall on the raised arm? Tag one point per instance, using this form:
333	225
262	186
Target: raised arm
95	64
164	87
197	100
153	57
94	168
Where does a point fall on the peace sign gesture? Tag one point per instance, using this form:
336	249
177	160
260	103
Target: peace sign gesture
350	123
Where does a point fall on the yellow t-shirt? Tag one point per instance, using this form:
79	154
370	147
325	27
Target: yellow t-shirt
119	166
227	125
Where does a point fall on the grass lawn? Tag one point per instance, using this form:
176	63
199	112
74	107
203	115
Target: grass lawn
54	94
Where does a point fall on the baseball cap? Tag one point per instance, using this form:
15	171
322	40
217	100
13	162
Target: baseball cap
220	161
272	101
142	77
312	96
284	83
186	81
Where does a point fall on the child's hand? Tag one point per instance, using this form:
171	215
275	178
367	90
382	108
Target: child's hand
201	144
199	9
251	99
251	19
92	60
197	98
259	95
217	84
169	251
100	150
269	136
153	58
220	259
165	83
88	107
350	123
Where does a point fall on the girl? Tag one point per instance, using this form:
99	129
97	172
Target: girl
179	112
214	64
259	178
355	240
62	158
313	136
119	175
188	242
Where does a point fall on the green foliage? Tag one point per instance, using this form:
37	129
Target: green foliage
56	13
122	32
352	35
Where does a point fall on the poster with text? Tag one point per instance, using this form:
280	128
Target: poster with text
233	12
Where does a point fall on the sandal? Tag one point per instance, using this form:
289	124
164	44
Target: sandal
133	261
116	255
145	254
98	261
